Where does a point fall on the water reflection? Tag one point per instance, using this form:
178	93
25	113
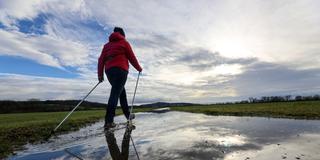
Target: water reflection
114	150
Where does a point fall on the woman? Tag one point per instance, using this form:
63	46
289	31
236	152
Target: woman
114	58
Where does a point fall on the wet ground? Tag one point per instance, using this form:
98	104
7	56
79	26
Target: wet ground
180	135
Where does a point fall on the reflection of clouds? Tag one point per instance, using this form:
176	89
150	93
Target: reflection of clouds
190	136
231	140
304	146
187	137
178	138
197	136
180	135
61	158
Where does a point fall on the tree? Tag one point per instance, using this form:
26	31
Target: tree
33	99
287	97
298	98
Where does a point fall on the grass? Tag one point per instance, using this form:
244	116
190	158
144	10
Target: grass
20	128
296	110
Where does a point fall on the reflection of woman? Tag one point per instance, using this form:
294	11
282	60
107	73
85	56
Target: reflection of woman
115	58
113	147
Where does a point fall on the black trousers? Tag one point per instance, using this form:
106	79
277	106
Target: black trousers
117	77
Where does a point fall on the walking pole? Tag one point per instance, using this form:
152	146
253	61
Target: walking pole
65	118
130	119
134	95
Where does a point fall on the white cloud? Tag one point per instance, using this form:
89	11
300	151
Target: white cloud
21	87
43	49
16	44
19	9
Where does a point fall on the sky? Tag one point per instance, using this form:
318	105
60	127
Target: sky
203	51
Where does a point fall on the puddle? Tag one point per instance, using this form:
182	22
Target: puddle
180	135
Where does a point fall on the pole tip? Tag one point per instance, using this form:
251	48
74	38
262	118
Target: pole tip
49	135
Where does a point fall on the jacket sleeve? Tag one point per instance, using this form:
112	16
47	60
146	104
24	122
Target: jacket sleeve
132	58
101	61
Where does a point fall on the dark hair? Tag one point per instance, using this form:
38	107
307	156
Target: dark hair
120	30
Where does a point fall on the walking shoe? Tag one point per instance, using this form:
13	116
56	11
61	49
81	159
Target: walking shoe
132	116
108	126
131	127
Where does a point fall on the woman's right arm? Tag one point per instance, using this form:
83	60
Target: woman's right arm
132	58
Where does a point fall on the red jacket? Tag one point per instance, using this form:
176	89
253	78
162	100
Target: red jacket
116	53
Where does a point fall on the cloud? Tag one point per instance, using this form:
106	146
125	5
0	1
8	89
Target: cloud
200	59
19	9
181	66
22	87
43	49
14	44
261	78
66	33
273	31
201	51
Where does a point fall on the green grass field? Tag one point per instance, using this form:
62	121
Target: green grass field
297	110
20	128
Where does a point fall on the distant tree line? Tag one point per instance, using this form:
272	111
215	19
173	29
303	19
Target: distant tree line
35	105
285	98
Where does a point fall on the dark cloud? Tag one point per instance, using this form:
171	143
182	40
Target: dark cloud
156	41
202	59
262	78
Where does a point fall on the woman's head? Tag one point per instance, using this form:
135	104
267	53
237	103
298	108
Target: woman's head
120	30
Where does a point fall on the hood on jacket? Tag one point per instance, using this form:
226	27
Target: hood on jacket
115	36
